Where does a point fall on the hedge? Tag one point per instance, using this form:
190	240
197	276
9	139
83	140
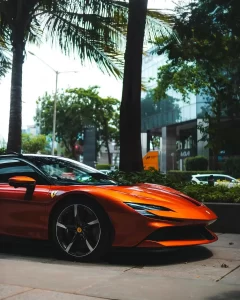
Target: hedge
202	193
232	167
103	167
205	193
196	163
150	176
2	151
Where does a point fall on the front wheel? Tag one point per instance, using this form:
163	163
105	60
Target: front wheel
80	230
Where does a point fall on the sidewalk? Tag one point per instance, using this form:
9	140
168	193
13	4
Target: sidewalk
211	272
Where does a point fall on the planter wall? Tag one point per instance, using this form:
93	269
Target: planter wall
228	217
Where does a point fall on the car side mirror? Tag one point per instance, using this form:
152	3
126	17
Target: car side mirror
24	182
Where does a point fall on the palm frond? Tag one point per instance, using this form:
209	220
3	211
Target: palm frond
5	61
5	58
34	33
94	32
158	23
96	29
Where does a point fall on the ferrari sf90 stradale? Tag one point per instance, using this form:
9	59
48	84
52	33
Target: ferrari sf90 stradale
85	213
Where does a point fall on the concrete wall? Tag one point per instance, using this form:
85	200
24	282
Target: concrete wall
168	147
144	143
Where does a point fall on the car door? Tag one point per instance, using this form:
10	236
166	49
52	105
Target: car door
230	181
18	216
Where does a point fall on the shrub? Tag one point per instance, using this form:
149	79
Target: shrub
199	163
179	176
149	176
2	151
202	193
232	167
206	193
103	167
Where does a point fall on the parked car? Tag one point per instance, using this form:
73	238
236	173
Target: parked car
84	213
218	179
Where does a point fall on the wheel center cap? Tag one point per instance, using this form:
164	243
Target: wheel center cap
79	229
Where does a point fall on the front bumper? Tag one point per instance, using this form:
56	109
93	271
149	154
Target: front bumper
188	235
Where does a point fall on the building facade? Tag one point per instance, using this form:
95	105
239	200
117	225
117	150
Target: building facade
32	129
174	121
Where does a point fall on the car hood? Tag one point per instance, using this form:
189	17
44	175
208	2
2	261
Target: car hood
154	194
180	205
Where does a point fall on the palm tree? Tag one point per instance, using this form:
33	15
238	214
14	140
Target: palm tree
91	28
130	113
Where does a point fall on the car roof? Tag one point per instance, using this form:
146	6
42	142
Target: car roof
26	156
213	174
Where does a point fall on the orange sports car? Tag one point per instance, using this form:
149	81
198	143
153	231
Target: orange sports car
85	213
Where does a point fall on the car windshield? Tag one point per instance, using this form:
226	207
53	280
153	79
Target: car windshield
68	172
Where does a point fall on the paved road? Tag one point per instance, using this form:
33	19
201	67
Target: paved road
29	271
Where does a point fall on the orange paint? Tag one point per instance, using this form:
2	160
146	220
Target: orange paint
30	218
151	160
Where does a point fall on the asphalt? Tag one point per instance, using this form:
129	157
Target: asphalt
30	271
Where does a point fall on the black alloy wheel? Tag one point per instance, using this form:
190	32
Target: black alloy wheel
81	230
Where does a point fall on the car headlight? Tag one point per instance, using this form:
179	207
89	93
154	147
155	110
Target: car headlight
143	209
211	222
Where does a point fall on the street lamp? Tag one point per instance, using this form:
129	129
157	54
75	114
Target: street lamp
55	96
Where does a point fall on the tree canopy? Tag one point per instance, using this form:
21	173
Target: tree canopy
33	144
76	109
90	29
204	59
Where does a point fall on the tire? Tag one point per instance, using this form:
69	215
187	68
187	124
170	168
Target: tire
80	230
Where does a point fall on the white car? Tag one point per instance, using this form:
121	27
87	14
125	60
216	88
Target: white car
218	179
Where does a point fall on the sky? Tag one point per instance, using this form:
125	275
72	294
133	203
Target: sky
39	78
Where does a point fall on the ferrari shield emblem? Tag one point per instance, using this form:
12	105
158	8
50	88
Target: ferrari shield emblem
53	194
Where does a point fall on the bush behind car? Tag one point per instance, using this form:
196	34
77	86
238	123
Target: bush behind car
202	193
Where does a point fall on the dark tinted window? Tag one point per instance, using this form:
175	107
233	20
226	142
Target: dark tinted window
217	177
202	178
13	167
68	172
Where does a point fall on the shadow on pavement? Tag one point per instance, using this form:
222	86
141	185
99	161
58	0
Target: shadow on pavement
159	257
232	295
32	249
39	250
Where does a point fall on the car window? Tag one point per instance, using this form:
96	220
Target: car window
62	171
219	178
202	178
13	167
69	172
229	179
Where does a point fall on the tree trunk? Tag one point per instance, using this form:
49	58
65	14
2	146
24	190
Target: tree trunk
130	112
107	142
218	138
109	154
15	118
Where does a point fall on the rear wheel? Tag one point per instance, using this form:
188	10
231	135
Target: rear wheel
81	230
